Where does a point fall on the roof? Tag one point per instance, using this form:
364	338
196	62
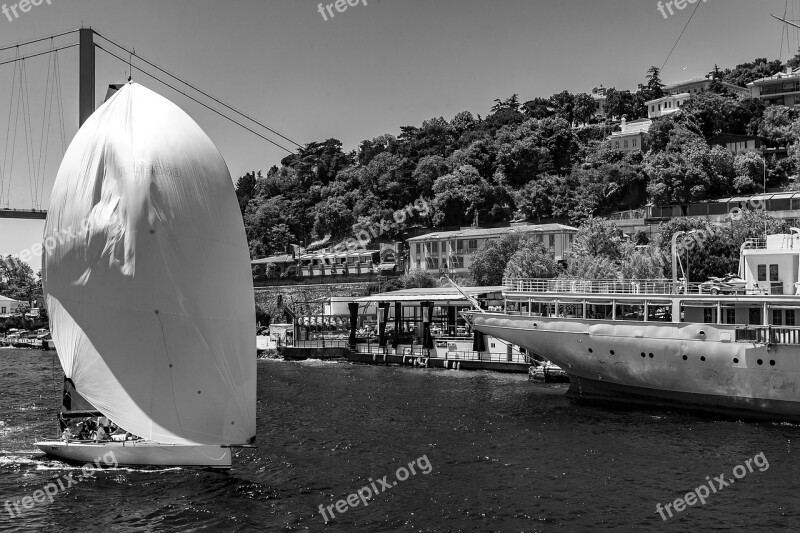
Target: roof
722	137
489	232
433	294
699	79
668	97
7	299
779	76
285	258
323	254
634	127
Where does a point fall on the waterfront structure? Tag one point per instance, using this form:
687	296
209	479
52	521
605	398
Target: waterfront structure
782	88
631	135
666	342
12	307
273	266
452	251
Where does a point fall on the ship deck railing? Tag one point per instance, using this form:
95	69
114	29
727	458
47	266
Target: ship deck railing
604	286
771	334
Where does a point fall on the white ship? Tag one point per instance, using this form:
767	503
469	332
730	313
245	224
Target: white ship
725	348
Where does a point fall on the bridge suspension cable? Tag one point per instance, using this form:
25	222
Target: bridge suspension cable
132	54
196	100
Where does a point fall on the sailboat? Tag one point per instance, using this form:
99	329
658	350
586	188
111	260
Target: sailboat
149	288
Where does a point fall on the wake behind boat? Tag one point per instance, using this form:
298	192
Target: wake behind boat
149	288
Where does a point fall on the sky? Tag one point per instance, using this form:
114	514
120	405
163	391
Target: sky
369	70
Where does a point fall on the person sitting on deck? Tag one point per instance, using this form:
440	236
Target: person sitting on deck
83	433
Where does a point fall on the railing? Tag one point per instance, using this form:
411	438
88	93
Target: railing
632	214
598	286
783	335
758	244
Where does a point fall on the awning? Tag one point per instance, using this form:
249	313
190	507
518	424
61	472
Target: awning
387	266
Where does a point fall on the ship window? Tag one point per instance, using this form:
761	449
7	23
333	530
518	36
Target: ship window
755	315
708	315
777	317
730	316
790	317
773	272
762	272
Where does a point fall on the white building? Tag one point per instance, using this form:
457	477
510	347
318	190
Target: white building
702	84
11	307
782	88
452	251
666	105
631	135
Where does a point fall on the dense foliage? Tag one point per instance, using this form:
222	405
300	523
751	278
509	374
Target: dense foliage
543	159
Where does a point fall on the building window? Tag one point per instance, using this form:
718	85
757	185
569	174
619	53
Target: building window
435	247
634	142
616	144
790	317
2	310
457	261
460	246
773	273
777	317
419	250
762	272
625	143
472	245
730	316
755	316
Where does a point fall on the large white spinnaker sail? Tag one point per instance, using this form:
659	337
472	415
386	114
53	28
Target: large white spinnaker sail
147	275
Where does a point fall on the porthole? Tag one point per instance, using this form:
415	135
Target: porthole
702	357
760	362
771	362
735	359
685	358
611	352
590	350
651	355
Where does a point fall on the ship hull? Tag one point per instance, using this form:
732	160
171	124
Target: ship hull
137	453
683	365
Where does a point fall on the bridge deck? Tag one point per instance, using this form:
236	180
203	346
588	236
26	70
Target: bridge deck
30	214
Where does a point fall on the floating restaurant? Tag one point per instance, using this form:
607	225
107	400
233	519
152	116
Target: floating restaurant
421	327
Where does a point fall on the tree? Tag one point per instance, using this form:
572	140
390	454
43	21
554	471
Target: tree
585	108
418	279
16	279
531	260
654	88
461	196
776	125
749	168
489	262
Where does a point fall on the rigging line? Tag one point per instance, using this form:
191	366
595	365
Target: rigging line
201	103
784	31
8	135
9	47
681	35
39	54
14	143
133	54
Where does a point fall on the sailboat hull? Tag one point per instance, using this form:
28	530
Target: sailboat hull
137	453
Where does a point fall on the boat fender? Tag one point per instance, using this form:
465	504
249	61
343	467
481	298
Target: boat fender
458	365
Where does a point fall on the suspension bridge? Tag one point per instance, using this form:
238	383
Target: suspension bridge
50	141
